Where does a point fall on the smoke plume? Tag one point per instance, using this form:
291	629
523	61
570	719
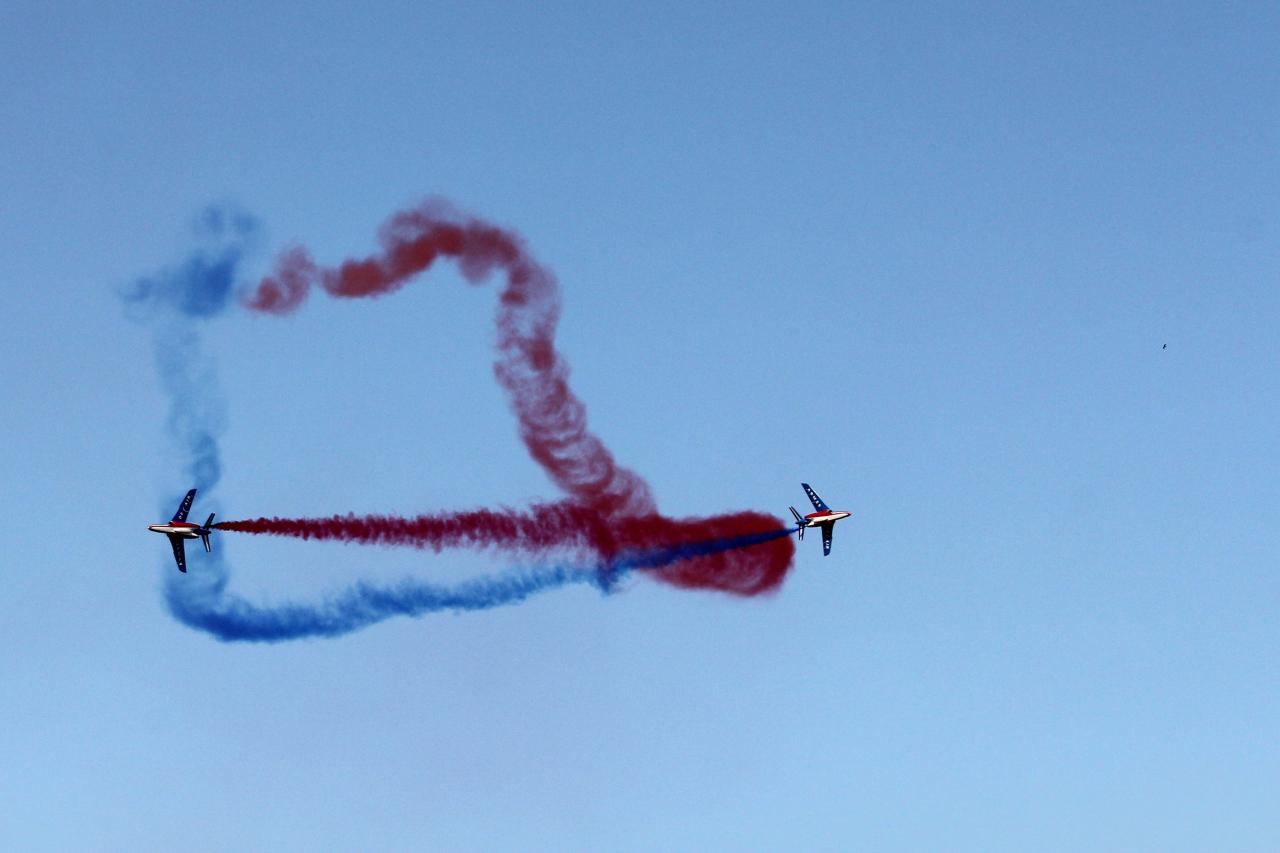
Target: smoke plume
606	526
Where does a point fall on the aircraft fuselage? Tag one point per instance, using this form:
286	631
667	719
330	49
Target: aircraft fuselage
178	530
185	529
823	517
817	519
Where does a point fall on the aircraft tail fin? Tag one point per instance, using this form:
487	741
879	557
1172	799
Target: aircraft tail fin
204	537
799	521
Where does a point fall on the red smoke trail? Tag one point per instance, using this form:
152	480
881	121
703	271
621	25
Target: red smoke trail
544	527
564	527
609	508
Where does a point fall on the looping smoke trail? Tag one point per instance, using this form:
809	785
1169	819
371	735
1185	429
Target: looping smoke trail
609	519
172	303
552	419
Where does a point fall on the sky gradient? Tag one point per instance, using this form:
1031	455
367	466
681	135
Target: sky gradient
924	259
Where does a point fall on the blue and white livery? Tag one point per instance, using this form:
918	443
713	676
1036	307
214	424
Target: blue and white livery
822	517
179	529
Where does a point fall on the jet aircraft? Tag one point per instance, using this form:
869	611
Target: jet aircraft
823	517
179	529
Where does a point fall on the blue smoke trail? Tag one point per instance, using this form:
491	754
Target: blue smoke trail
202	602
173	303
200	599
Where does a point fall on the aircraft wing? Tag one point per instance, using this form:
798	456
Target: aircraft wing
185	506
818	503
179	552
827	530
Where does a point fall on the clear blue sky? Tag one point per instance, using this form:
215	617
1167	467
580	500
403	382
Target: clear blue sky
925	259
